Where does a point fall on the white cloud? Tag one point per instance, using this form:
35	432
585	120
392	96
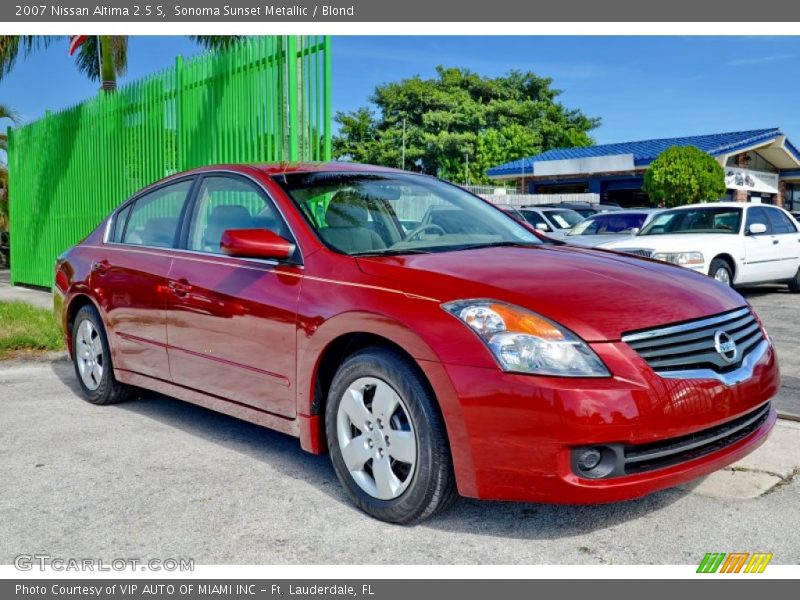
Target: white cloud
758	60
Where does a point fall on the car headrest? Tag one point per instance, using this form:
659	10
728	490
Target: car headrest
231	216
346	209
159	231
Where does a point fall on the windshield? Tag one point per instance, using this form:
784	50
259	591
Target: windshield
719	219
609	223
563	219
388	213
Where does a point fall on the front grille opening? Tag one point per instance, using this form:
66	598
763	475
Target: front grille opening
658	455
619	460
691	345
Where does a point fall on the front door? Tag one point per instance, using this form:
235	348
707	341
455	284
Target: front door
761	256
231	322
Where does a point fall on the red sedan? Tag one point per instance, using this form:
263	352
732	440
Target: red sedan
432	344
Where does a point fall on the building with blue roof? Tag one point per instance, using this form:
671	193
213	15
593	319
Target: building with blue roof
761	165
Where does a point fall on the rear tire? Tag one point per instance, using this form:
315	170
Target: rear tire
382	415
91	358
721	271
794	283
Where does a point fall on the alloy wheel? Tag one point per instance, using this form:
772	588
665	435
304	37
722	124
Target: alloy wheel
89	355
376	437
723	276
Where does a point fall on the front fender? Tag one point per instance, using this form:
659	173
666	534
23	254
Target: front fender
314	341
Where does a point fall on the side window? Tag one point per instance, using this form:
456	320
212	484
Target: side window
779	221
119	224
154	218
536	219
757	214
230	203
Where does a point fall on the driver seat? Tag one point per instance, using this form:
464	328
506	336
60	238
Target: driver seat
346	220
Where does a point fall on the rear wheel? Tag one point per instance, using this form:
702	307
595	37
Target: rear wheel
721	271
387	439
794	283
91	357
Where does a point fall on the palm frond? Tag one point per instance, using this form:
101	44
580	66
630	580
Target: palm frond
6	112
216	42
87	58
13	47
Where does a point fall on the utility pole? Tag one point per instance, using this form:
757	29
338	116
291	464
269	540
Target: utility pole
466	168
404	144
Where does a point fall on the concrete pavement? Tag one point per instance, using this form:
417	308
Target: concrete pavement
157	478
10	293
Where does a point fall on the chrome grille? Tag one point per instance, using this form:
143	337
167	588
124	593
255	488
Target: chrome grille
644	252
693	345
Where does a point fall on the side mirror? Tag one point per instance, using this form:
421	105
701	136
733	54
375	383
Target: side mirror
756	228
255	243
635	230
542	227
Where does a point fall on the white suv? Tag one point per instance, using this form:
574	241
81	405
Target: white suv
734	243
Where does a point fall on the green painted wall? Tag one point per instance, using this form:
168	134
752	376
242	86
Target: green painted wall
264	100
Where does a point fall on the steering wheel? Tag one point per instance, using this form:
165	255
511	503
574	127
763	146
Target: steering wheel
421	228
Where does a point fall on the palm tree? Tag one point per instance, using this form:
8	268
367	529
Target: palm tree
113	53
11	114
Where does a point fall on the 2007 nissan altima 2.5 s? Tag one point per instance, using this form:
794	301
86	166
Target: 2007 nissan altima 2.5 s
428	341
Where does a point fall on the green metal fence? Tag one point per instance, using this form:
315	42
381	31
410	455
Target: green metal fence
266	99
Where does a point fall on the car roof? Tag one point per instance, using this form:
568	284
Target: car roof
279	168
628	211
310	167
545	208
712	205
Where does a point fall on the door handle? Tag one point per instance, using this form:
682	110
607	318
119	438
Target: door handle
776	241
181	287
101	267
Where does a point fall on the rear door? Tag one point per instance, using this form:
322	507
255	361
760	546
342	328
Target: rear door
761	256
786	241
129	276
232	321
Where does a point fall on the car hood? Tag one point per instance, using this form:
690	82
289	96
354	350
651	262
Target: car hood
597	294
677	242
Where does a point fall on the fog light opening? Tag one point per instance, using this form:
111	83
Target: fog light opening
589	459
595	462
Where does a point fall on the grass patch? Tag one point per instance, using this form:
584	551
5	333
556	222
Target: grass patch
25	329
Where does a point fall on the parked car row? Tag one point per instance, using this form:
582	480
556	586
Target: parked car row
430	343
735	243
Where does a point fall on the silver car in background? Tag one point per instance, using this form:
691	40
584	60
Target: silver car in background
610	226
554	222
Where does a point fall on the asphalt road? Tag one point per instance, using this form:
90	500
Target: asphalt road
780	312
159	478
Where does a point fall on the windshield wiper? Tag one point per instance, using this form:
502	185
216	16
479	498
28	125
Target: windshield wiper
505	244
390	252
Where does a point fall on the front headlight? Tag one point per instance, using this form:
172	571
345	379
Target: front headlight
525	342
684	259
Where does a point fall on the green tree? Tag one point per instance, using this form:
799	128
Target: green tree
459	116
684	175
113	53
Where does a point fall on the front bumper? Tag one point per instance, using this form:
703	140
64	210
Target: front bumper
519	432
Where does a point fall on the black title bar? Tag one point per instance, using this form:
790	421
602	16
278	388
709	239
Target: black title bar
406	11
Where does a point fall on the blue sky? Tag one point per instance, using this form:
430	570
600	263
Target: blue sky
641	87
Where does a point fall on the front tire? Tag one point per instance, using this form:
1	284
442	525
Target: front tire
387	438
91	358
721	271
794	283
